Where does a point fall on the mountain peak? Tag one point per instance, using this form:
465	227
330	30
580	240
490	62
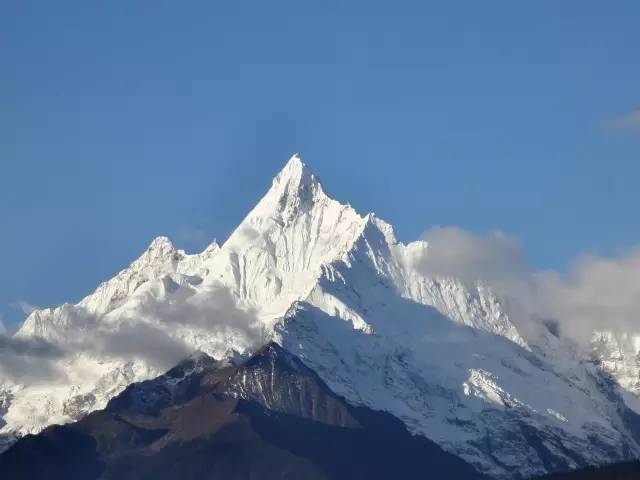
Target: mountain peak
274	354
294	190
160	243
160	251
296	161
295	175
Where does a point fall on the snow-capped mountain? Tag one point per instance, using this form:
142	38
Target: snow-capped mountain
338	290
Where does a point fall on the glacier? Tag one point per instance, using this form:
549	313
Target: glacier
337	289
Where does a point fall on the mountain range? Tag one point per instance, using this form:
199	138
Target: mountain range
335	290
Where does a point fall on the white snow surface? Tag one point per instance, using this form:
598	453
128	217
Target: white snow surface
339	290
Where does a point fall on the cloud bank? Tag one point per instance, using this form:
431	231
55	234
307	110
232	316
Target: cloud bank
454	252
597	293
28	360
157	332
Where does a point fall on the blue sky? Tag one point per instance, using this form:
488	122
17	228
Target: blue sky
121	121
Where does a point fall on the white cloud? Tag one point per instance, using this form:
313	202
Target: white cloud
151	333
596	294
25	306
139	340
214	313
454	252
28	360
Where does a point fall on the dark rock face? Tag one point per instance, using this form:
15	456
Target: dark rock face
59	452
269	417
281	382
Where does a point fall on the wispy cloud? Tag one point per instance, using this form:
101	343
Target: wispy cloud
629	122
195	236
25	306
192	237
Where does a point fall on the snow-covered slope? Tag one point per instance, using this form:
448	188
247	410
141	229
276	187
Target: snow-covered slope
160	260
85	378
618	356
339	290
